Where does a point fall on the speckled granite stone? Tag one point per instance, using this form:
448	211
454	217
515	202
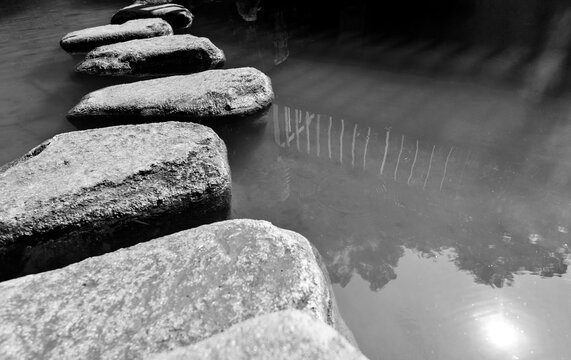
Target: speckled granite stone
283	335
159	295
212	94
85	40
84	193
168	55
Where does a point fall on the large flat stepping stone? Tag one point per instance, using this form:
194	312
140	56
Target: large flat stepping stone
208	95
85	193
169	55
283	335
165	293
176	15
85	40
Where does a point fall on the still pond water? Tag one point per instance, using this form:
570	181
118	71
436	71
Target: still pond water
439	198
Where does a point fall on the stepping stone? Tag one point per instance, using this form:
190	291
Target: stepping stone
85	40
169	292
85	193
208	95
167	55
283	335
176	15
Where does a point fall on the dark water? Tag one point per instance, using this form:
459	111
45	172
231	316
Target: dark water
438	195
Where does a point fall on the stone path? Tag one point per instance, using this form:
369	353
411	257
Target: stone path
208	95
85	40
91	192
170	55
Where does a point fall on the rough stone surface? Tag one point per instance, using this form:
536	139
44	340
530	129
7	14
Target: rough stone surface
85	40
212	94
84	193
158	295
176	15
287	335
170	55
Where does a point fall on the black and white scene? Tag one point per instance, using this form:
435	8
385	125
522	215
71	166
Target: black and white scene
285	179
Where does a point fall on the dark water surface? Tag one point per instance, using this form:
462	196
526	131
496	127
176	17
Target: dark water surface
438	196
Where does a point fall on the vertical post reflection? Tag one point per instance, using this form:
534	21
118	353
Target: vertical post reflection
341	141
297	120
429	167
398	158
365	151
353	147
329	136
386	151
445	167
318	145
413	163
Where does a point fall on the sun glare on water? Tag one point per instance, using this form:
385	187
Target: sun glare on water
500	332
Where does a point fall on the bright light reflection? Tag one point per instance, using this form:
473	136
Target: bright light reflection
500	332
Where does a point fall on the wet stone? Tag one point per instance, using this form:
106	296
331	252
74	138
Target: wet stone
162	294
176	15
85	193
205	96
287	335
85	40
177	54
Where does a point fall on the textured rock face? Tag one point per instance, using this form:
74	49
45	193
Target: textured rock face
88	39
170	55
287	335
156	296
85	193
212	94
176	15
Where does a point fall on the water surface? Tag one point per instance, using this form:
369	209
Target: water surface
437	194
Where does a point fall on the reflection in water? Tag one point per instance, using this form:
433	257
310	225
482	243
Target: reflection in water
526	321
248	9
281	49
385	191
400	147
